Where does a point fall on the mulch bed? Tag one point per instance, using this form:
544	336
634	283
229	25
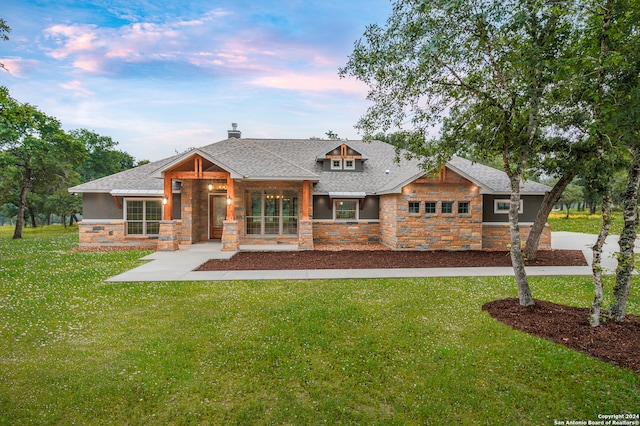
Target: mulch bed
617	343
369	259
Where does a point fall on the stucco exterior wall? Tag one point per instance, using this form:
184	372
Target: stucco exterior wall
101	206
530	205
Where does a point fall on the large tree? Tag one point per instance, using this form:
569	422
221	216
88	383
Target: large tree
102	157
604	99
34	147
480	69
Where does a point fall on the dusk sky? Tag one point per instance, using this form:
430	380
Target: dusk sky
163	76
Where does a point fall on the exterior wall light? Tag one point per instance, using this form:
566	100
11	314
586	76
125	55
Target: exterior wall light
228	200
165	200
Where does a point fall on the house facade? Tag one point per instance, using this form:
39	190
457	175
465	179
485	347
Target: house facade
303	192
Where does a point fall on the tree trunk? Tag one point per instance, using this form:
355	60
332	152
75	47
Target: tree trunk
550	199
596	267
517	260
32	215
17	234
626	261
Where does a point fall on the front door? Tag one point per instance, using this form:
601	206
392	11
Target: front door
217	214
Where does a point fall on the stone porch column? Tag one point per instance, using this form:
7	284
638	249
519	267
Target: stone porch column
168	238
230	238
305	234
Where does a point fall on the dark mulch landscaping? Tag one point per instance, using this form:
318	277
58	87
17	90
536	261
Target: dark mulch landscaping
368	259
617	343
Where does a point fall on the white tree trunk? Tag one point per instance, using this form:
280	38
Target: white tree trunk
517	260
626	261
596	267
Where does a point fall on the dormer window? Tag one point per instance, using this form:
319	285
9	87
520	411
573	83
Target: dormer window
349	164
342	157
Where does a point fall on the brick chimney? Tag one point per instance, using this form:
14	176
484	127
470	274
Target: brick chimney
235	133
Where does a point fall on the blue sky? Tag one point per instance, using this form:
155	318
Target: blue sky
163	76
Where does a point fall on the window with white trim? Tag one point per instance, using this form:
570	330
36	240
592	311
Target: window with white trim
502	206
414	207
336	164
143	216
346	209
349	164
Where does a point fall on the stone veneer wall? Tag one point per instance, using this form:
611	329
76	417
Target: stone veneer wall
439	231
388	221
186	212
110	232
495	236
330	232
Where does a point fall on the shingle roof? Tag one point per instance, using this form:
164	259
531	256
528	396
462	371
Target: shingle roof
296	159
492	180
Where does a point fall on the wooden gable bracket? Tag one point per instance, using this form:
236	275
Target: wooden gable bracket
197	167
443	174
117	200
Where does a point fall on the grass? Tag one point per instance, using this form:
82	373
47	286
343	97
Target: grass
583	222
75	349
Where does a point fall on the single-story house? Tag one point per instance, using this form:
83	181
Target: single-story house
301	192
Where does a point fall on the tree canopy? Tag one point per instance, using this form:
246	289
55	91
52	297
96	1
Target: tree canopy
478	69
34	149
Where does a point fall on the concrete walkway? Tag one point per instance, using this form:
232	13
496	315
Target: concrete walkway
180	265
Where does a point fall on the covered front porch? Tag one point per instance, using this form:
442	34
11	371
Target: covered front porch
220	205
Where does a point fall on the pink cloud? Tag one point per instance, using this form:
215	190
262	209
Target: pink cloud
78	88
19	67
320	82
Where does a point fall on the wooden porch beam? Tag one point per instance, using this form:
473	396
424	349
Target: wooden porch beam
168	199
306	192
202	175
117	200
231	198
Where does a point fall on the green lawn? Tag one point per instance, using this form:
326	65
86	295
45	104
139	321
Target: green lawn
77	350
585	223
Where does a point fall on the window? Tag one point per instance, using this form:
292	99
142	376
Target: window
502	206
336	164
447	207
143	217
414	207
430	207
272	213
349	164
345	209
463	207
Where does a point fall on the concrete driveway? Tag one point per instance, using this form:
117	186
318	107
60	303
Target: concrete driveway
584	242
